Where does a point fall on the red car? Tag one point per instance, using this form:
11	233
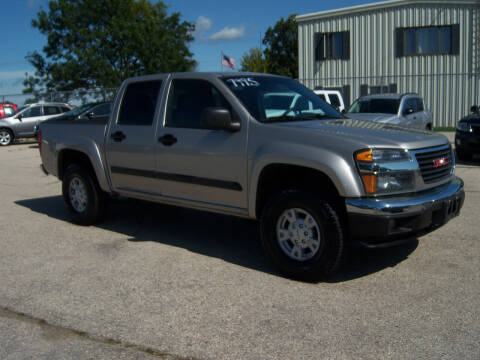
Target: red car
7	109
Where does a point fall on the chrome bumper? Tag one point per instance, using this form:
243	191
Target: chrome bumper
405	205
377	220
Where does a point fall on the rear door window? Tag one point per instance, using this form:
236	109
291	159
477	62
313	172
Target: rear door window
139	103
51	110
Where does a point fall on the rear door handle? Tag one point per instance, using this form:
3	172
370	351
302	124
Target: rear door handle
167	139
118	136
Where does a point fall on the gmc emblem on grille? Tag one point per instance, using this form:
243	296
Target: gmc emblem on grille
440	162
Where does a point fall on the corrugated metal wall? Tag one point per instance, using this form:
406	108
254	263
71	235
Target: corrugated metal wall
450	84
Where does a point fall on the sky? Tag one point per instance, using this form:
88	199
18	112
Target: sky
231	27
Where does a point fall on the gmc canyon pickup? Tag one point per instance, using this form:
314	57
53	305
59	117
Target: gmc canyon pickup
225	142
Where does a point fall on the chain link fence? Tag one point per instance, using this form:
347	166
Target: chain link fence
75	97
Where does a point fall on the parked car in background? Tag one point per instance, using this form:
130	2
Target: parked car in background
97	112
7	109
467	136
332	97
406	110
21	124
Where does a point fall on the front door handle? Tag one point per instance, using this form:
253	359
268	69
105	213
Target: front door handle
167	139
118	136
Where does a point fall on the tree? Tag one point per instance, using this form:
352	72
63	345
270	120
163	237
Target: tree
253	61
99	43
281	52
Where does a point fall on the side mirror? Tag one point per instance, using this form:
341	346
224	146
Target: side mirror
408	111
475	109
90	115
344	111
20	117
216	118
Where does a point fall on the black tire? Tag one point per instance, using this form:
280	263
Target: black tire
463	155
328	256
82	195
6	137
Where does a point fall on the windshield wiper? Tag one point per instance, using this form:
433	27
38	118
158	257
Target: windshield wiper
279	118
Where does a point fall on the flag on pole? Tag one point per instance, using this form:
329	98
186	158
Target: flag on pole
228	61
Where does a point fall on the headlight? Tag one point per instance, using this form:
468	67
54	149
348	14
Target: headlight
386	171
464	126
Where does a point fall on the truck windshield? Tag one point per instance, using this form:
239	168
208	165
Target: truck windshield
274	99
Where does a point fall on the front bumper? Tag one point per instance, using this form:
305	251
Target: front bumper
382	221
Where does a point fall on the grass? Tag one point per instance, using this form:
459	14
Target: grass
446	128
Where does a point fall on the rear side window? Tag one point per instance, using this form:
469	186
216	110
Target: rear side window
51	110
139	103
334	100
187	100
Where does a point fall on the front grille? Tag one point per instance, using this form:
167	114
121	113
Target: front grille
476	130
432	164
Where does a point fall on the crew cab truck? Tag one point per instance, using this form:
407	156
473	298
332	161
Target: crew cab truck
315	180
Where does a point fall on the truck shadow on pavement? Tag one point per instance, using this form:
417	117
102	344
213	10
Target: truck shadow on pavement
231	239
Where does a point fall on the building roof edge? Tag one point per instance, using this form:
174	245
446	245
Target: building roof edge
380	5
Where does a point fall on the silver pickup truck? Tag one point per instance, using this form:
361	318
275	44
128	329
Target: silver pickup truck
223	142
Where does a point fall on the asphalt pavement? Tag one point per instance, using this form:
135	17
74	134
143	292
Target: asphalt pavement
159	282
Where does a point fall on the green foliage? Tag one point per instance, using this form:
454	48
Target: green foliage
99	43
253	61
281	52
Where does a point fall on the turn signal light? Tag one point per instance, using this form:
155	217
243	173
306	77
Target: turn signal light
370	182
365	156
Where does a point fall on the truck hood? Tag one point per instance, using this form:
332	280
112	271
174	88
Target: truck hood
360	134
384	118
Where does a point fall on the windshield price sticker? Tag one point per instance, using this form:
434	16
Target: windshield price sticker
242	82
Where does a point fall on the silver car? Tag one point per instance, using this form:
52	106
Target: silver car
406	110
22	123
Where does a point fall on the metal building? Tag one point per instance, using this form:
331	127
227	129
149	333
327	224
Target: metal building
431	47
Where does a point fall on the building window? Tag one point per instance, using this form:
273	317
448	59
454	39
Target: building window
430	40
332	46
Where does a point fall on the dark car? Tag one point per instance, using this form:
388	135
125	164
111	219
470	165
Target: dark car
7	109
467	136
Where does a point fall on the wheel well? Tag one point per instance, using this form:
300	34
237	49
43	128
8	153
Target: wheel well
278	177
429	126
6	128
67	157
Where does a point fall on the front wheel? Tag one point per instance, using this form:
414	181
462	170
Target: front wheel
82	195
6	137
302	235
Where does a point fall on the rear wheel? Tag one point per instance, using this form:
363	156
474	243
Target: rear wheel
302	235
6	137
82	195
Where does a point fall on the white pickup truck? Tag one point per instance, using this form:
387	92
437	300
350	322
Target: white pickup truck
315	180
